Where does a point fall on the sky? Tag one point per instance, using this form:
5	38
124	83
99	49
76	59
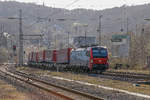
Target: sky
88	4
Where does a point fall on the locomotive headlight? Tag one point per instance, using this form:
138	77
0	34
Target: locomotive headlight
91	61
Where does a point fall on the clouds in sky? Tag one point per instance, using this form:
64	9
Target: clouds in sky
89	4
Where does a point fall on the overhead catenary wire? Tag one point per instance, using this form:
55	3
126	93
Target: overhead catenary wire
75	1
68	5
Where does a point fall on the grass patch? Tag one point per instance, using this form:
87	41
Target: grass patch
8	92
131	71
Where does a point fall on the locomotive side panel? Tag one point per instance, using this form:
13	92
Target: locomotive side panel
79	58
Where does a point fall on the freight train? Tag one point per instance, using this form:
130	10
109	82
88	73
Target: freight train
83	59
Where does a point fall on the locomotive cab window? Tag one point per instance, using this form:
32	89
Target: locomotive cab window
99	52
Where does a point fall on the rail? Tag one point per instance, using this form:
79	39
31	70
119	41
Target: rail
128	75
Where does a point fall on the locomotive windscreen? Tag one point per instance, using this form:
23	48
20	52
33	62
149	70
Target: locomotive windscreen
99	52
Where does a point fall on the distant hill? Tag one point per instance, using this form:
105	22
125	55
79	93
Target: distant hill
60	21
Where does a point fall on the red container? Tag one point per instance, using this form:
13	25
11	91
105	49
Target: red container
63	56
54	56
37	57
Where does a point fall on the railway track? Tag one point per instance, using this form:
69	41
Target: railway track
62	92
121	76
128	75
121	72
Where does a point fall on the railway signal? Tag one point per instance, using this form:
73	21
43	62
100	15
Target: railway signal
14	47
